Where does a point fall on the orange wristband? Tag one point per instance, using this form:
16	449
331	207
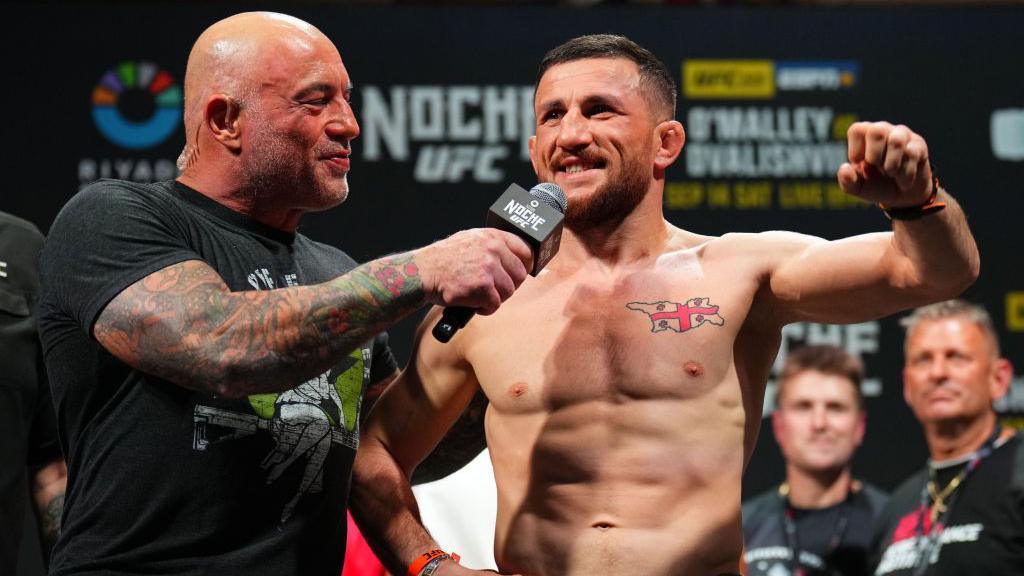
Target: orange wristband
425	558
931	206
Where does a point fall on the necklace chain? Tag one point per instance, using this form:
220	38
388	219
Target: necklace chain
939	498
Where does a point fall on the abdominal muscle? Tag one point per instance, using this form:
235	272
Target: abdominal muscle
646	487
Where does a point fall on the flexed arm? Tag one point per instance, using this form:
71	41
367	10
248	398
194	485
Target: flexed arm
931	256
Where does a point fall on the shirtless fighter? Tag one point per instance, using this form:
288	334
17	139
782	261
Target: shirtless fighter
626	381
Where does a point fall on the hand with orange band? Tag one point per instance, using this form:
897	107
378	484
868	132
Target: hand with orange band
440	563
889	165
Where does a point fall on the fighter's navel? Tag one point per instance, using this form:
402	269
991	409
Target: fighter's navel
603	526
518	389
693	369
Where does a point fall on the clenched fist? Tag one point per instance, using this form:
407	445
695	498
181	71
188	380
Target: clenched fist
888	165
477	269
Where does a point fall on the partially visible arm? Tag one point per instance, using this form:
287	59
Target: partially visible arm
408	421
47	487
855	279
184	324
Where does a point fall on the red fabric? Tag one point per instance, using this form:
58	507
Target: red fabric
359	559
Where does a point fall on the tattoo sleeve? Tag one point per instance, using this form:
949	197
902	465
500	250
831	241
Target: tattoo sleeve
183	324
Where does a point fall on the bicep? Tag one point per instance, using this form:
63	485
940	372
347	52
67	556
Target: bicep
416	410
156	323
848	280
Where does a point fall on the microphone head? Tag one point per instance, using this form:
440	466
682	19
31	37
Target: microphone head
550	194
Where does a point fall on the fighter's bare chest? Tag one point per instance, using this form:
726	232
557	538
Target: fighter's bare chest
642	336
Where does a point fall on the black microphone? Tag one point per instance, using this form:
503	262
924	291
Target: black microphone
536	217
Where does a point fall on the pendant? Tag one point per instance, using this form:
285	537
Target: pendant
938	508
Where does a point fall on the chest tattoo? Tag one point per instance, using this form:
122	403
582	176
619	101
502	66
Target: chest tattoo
676	317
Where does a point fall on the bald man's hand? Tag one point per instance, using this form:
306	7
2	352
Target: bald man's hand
477	269
888	165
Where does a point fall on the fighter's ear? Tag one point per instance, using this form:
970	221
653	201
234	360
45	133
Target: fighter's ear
222	119
669	138
531	145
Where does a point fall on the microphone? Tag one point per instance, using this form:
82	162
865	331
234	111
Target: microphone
536	217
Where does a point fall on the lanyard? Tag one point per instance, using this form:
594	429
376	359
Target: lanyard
792	538
929	541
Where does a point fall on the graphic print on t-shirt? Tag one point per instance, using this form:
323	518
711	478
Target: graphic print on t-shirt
908	543
303	422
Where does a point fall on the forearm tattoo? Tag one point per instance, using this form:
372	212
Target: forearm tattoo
183	324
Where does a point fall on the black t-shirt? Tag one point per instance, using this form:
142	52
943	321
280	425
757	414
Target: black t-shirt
167	480
767	548
984	532
28	433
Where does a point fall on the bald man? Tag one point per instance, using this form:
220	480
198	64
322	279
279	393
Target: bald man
208	363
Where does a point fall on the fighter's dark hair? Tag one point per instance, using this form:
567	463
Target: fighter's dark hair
655	81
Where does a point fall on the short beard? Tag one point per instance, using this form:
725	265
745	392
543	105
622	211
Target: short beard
612	202
271	171
274	172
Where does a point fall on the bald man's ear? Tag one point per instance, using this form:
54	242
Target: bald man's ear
222	120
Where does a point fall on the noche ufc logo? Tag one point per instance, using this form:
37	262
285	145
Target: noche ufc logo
451	133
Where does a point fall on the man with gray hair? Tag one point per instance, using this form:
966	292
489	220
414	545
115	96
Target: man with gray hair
963	514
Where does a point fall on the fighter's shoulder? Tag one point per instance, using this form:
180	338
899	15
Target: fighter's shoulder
759	247
432	352
767	240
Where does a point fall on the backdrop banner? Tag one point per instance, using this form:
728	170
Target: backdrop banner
446	110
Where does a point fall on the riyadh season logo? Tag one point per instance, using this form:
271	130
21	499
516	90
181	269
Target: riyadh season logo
136	105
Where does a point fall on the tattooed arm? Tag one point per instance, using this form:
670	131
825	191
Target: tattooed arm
48	486
183	323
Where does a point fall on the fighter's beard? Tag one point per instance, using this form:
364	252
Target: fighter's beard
610	203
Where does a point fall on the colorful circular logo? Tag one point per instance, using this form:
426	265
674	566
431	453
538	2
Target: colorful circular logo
136	105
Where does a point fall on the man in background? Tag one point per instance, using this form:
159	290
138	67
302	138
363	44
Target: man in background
28	433
819	521
963	513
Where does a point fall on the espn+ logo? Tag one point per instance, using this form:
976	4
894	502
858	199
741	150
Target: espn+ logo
762	79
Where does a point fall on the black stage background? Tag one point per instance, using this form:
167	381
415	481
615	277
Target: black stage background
443	95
